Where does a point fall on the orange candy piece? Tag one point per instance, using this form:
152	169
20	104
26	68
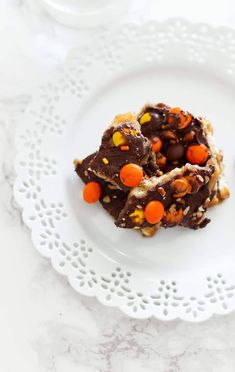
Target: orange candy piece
131	175
186	123
92	192
156	144
161	160
185	119
154	212
124	148
197	154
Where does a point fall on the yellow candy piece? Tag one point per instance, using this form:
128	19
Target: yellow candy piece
105	161
118	139
133	132
137	216
145	118
130	131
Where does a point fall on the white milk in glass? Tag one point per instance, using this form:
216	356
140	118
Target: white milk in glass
84	13
78	5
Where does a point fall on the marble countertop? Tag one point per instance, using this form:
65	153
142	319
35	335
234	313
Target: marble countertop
46	326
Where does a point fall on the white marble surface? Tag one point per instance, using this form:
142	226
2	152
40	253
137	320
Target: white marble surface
44	324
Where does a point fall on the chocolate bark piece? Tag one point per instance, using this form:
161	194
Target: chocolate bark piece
112	199
158	120
151	168
81	168
122	143
221	190
177	132
184	201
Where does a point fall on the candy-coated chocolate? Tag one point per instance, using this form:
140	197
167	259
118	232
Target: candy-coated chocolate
178	115
92	192
156	144
137	216
175	152
154	212
131	175
180	187
118	139
197	154
145	118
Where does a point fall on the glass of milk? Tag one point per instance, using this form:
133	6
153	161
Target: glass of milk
84	13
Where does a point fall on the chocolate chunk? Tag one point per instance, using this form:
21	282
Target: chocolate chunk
112	199
175	152
153	122
186	130
155	119
81	168
122	143
176	136
152	169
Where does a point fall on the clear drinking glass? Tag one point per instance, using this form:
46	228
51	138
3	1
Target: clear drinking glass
84	13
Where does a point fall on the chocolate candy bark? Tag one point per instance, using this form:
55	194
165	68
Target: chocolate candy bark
179	197
111	198
160	171
123	152
178	138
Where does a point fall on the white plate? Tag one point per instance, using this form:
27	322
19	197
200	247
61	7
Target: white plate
178	273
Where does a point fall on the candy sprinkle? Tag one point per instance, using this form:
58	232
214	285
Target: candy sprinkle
137	216
125	148
145	118
105	161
